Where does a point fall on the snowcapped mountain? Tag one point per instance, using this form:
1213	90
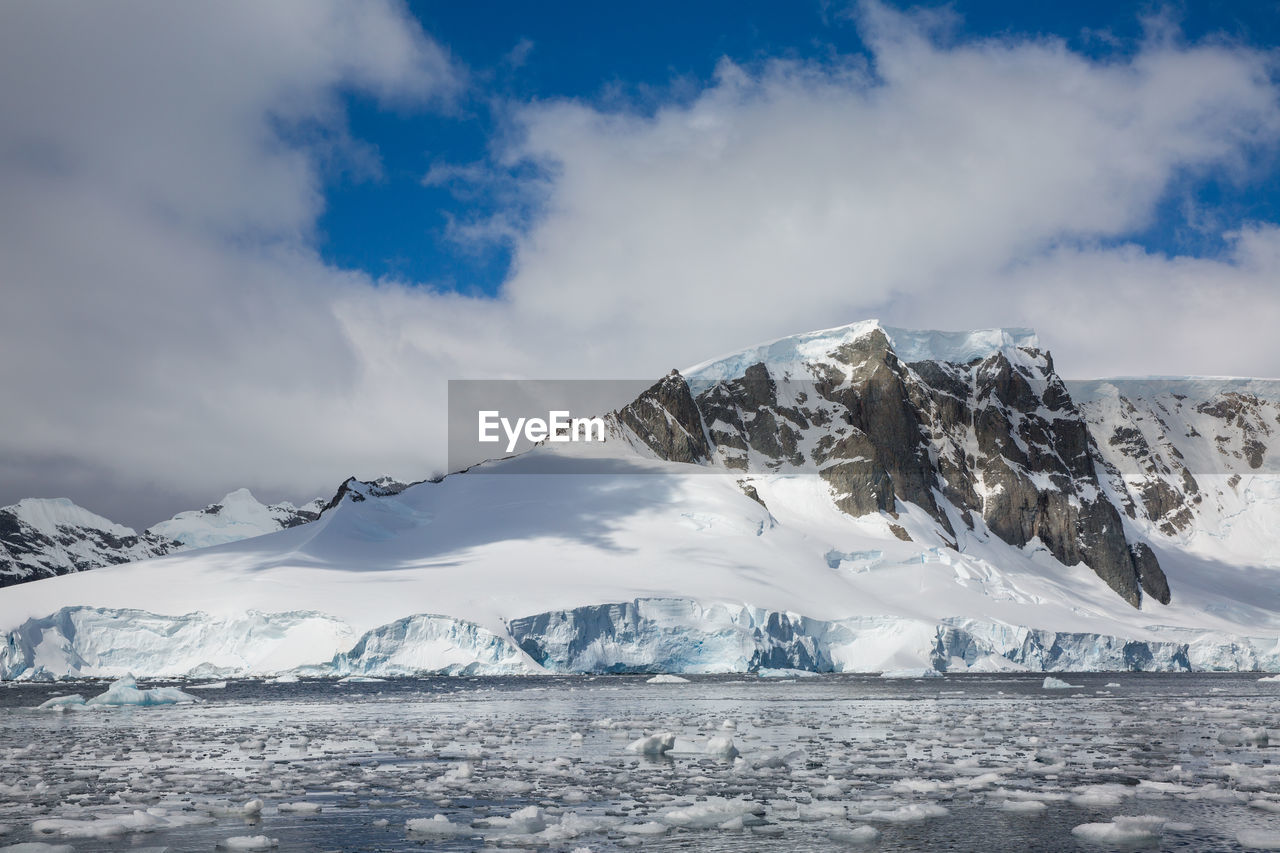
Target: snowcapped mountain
861	498
47	537
237	516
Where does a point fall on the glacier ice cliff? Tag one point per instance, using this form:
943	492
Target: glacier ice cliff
640	636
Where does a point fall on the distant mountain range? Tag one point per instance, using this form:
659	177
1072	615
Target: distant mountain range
47	537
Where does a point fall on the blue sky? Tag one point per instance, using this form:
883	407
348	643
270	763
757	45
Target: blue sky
647	55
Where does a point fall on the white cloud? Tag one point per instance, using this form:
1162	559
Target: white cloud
166	319
796	197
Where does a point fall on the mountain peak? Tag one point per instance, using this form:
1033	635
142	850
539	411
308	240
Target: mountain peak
47	514
910	345
240	496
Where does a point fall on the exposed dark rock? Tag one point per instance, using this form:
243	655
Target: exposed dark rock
666	419
1154	582
998	439
750	491
360	490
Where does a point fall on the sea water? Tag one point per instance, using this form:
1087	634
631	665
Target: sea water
829	762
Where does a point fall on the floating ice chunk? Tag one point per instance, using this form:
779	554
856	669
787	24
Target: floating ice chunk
246	809
124	691
863	834
983	780
713	812
659	744
721	747
1051	683
437	826
361	679
213	685
99	828
667	679
796	756
62	703
1271	678
1101	795
919	786
650	828
248	842
1253	839
1112	684
821	811
526	821
574	825
1023	806
830	791
1123	830
908	813
287	678
1258	737
299	808
459	773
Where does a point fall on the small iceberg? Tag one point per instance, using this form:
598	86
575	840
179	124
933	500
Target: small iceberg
659	744
1051	683
667	679
123	691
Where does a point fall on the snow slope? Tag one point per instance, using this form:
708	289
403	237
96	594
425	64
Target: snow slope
46	537
641	565
237	516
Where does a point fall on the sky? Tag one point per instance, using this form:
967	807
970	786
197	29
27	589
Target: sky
248	244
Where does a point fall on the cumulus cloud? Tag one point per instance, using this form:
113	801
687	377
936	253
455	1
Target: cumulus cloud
929	187
168	322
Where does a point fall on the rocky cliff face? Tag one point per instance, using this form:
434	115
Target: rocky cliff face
1182	457
991	446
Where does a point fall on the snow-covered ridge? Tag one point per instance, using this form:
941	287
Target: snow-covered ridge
48	537
237	516
48	514
791	353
